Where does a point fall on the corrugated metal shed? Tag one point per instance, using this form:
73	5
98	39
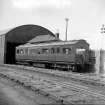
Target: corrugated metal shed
23	34
11	38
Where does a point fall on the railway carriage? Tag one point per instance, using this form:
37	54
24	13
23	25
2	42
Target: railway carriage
67	55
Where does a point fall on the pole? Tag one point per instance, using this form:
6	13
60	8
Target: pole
102	71
66	28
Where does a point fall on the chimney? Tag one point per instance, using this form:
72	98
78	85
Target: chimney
57	35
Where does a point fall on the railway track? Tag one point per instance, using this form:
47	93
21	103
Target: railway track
58	101
66	91
85	79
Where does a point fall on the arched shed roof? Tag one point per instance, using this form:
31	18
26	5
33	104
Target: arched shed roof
3	32
24	33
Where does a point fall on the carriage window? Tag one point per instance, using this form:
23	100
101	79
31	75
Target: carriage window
17	51
80	51
21	51
52	50
58	50
66	50
44	51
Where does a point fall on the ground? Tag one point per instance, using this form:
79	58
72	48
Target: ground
13	94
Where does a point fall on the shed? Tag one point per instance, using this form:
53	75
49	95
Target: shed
11	38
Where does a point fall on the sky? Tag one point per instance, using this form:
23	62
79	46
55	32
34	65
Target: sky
85	17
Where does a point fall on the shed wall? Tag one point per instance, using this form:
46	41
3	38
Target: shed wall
2	48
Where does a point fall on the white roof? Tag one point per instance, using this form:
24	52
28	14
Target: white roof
52	43
43	38
3	32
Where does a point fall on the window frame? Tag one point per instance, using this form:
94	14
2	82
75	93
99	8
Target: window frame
52	50
66	50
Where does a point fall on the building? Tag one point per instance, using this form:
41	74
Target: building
11	38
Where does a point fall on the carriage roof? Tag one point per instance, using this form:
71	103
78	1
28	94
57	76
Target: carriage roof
72	42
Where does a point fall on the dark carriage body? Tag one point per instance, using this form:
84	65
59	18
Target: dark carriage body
64	54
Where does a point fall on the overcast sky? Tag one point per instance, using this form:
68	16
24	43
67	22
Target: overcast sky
85	17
